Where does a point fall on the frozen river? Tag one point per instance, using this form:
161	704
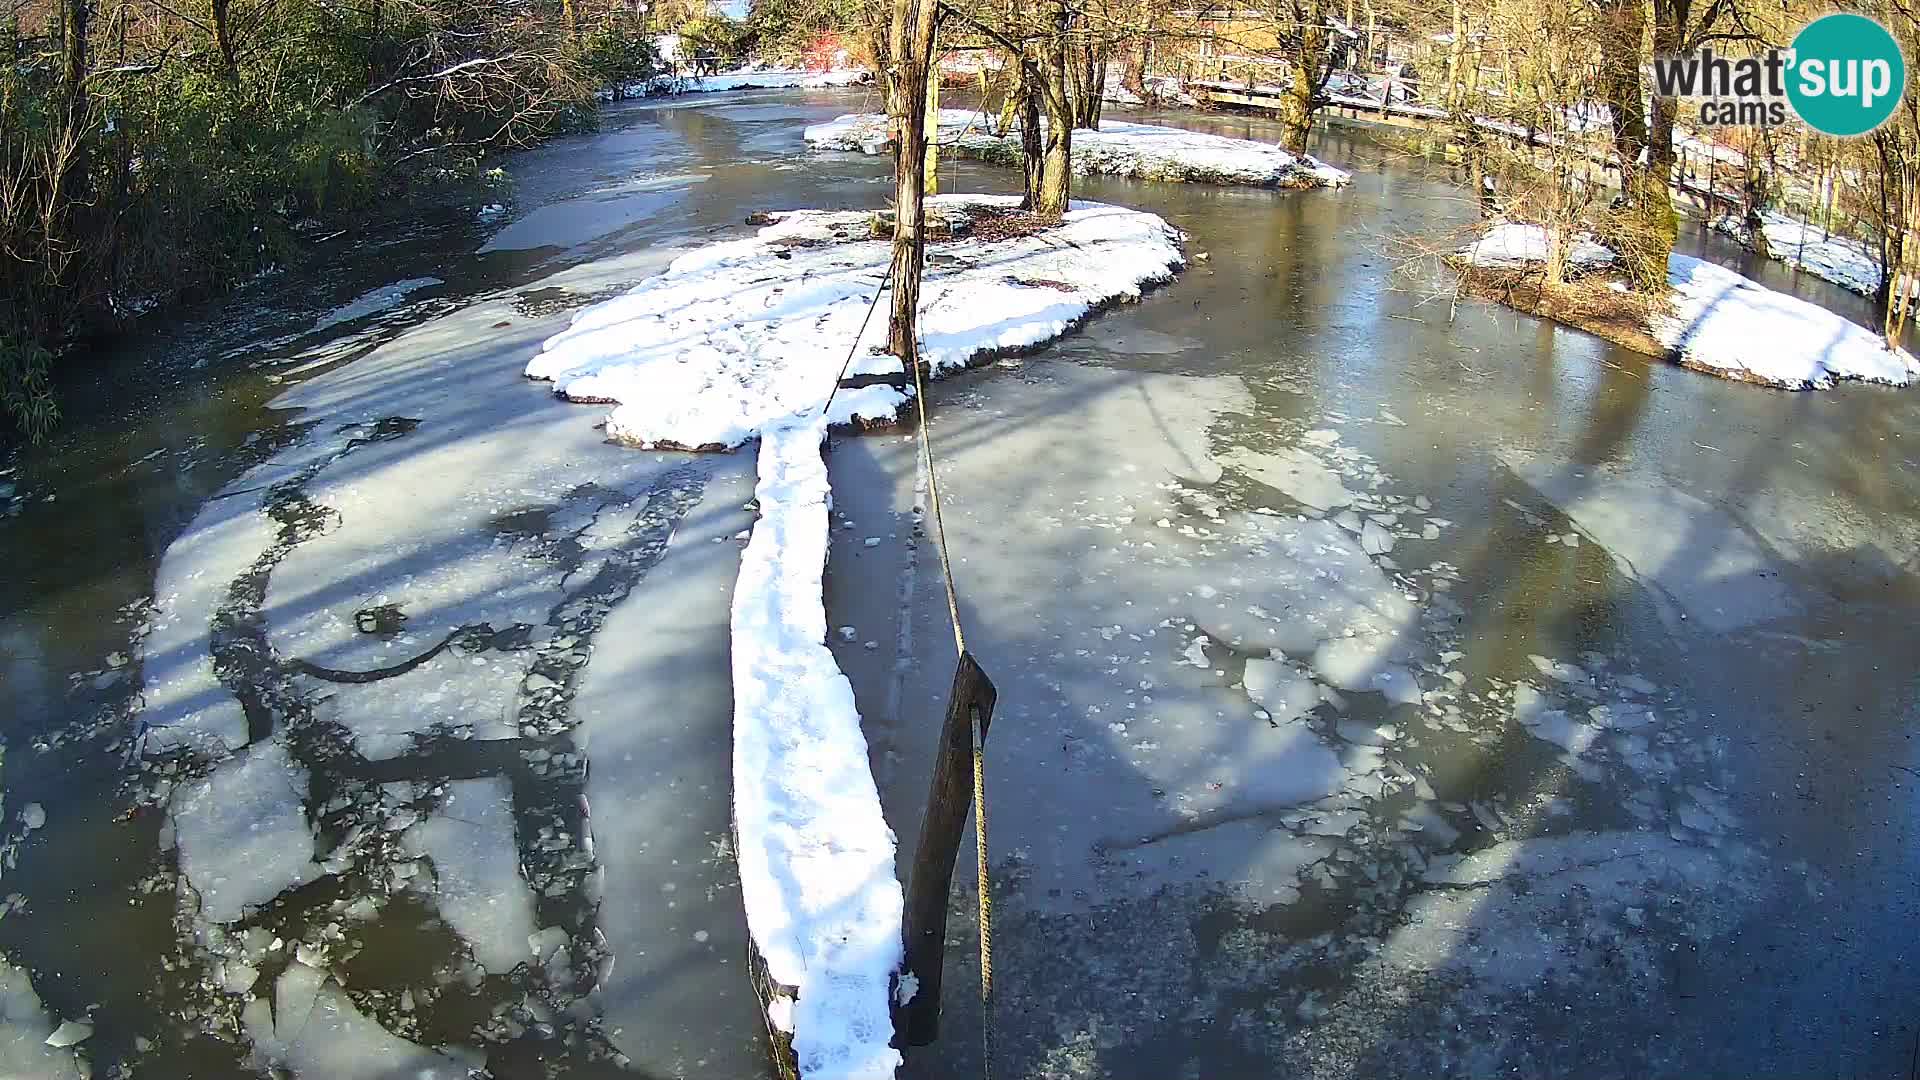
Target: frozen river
1378	695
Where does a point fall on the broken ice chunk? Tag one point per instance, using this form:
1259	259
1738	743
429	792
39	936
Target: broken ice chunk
1281	688
1555	726
70	1033
1558	670
477	870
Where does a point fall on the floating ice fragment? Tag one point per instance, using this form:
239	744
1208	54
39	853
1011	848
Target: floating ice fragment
1558	670
70	1033
1196	653
1284	690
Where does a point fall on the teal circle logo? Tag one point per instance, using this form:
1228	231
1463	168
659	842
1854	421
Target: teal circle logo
1846	76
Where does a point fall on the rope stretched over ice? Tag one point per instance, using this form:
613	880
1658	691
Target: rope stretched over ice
872	303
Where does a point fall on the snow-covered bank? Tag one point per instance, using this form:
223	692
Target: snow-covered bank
738	335
1847	263
741	79
1137	151
1511	246
1731	325
745	338
1726	324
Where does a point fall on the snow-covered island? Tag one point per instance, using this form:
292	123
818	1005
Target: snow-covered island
1713	319
745	339
1136	151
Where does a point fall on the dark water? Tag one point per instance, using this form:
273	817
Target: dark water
1801	718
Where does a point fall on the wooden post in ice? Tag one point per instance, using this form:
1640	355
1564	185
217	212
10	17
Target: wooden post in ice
949	797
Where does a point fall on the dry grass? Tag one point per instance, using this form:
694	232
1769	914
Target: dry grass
1589	302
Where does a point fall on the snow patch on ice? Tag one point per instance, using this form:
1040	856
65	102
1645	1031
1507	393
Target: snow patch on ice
740	335
1512	244
372	302
816	856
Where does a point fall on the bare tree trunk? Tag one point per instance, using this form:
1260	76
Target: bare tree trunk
1372	29
1056	170
1456	53
67	176
1307	68
223	40
1640	227
1653	198
1032	149
910	55
376	16
1088	83
1097	97
933	134
1898	280
1556	267
74	60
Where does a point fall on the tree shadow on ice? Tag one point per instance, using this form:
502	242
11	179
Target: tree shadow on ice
1570	835
348	812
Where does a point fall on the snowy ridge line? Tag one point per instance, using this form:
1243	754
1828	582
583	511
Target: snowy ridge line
1118	148
1724	323
816	856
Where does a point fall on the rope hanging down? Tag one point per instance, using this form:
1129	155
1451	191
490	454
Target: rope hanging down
979	707
977	731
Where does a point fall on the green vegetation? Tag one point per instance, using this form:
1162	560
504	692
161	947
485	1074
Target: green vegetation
151	153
